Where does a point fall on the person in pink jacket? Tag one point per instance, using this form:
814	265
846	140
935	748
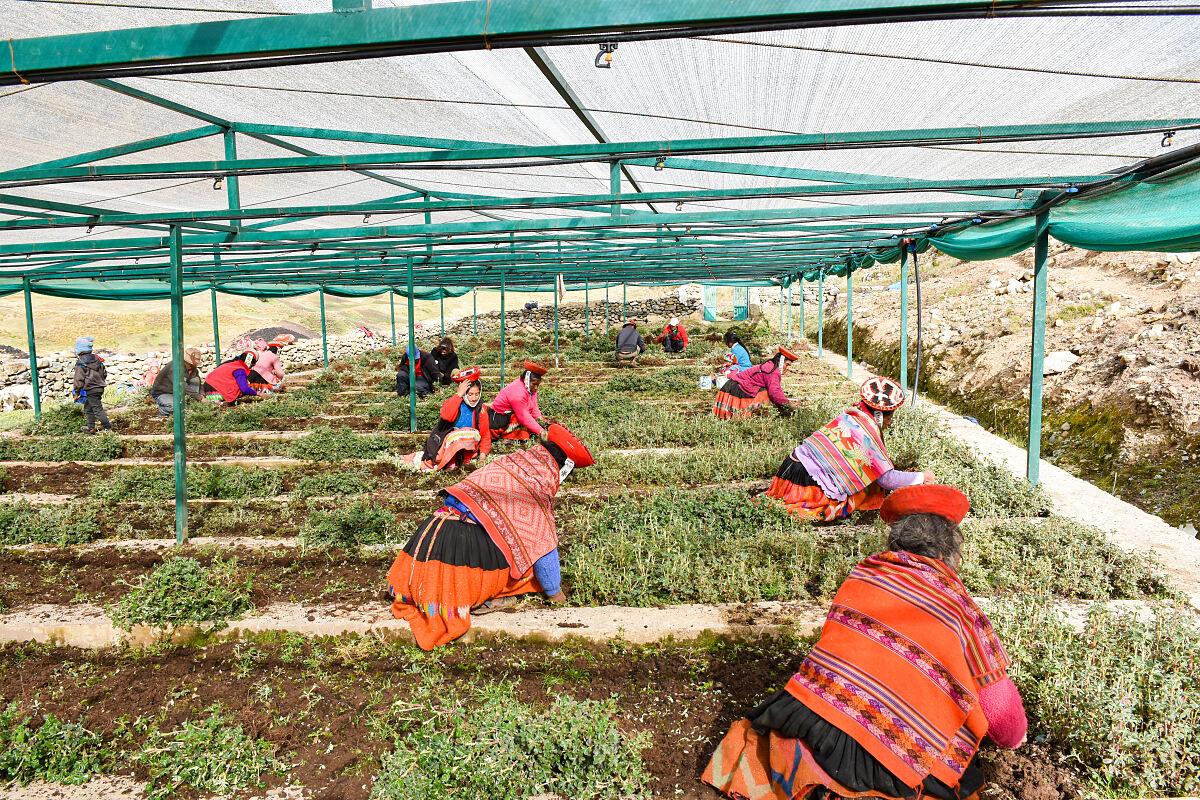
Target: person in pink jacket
267	374
515	413
752	388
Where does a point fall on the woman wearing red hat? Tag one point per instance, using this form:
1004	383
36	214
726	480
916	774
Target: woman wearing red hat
896	696
267	375
751	388
515	412
463	430
844	467
493	538
230	380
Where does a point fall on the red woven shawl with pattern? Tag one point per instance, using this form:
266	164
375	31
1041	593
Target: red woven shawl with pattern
513	498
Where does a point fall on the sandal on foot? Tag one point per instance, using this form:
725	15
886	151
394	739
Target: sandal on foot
495	604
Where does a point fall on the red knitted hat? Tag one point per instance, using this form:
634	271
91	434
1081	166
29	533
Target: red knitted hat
576	450
945	501
536	369
788	354
468	374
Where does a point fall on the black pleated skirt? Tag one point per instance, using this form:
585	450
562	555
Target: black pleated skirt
842	757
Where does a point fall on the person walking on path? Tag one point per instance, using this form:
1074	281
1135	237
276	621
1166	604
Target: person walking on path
896	697
630	344
163	388
91	377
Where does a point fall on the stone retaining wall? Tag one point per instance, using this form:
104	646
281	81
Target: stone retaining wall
572	316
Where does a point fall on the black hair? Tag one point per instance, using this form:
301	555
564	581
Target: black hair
732	338
559	455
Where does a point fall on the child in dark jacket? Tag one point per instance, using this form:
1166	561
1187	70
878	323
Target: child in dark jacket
90	379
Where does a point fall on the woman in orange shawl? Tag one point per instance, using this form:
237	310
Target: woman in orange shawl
896	696
493	538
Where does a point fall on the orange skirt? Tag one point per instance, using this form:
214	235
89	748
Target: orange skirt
810	502
731	406
448	567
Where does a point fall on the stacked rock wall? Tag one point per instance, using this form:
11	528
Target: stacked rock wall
573	316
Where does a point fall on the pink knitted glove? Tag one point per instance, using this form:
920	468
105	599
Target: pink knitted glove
1005	713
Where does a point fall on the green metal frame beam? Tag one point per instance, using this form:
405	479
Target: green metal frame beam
140	146
467	25
523	156
614	198
637	219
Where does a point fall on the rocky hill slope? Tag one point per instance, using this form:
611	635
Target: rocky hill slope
1122	382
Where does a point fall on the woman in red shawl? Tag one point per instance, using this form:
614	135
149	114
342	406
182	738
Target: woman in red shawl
462	431
493	538
906	680
751	388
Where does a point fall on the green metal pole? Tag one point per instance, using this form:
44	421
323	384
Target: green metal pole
781	303
624	302
474	312
177	396
216	326
821	314
392	307
904	316
803	332
789	312
442	306
607	326
231	182
33	372
324	337
412	359
1041	250
849	324
503	326
614	187
556	326
587	312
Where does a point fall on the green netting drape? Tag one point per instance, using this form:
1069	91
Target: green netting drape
1162	216
88	289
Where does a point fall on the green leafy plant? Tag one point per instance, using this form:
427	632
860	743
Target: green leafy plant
499	748
325	484
58	419
55	751
217	481
1120	694
183	591
338	444
210	755
59	525
350	526
76	447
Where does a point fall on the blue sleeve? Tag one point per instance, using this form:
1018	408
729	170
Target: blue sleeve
240	376
742	356
548	573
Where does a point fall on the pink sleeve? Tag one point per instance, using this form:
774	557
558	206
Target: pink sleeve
775	387
1005	713
522	410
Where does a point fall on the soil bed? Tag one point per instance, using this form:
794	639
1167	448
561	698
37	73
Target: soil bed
319	702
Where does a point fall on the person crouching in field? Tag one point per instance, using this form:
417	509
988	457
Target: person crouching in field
896	697
844	466
267	375
230	381
630	344
493	538
515	414
463	430
752	388
162	391
673	338
91	377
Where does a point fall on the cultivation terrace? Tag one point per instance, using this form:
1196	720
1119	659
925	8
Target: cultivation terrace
191	604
